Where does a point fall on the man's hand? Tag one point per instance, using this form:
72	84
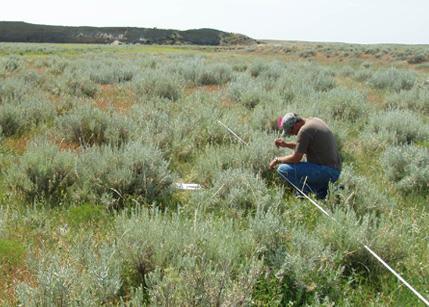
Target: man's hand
279	142
292	158
273	163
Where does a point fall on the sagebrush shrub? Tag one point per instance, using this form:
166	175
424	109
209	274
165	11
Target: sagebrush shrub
68	103
159	84
407	167
264	116
112	175
13	90
323	81
191	129
268	228
87	125
33	79
12	120
365	65
394	127
188	69
44	173
151	120
347	71
81	86
37	110
4	220
214	74
348	234
201	254
418	58
247	91
200	282
195	127
273	72
307	53
308	269
393	79
239	67
12	63
24	115
290	89
346	105
363	74
55	65
254	157
416	99
149	61
358	193
235	190
87	275
111	73
303	81
256	68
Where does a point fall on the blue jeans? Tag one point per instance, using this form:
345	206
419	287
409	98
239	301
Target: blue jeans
315	177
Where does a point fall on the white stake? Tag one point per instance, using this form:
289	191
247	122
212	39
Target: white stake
226	127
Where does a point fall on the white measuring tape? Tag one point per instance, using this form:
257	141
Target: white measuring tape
188	186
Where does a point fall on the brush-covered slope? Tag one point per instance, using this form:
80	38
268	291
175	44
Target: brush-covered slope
25	32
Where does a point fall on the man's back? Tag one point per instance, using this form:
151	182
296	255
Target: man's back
316	140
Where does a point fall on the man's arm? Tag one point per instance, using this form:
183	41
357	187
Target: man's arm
281	143
292	158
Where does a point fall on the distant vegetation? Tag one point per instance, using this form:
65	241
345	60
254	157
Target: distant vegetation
93	138
33	33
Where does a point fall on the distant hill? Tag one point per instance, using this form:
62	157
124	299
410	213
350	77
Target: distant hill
11	31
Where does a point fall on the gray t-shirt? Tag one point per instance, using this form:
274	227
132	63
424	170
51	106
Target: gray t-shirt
318	143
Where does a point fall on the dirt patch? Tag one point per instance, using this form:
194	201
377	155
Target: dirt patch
111	96
206	88
103	104
40	70
211	88
226	102
375	98
18	145
68	146
9	282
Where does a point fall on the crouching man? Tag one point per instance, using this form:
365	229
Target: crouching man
316	141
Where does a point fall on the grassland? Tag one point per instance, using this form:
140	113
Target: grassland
93	138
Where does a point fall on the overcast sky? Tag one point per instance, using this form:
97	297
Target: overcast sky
357	21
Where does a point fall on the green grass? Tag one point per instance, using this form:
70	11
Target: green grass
33	50
86	215
11	253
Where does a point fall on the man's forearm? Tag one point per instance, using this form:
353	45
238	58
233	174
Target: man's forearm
293	158
290	145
